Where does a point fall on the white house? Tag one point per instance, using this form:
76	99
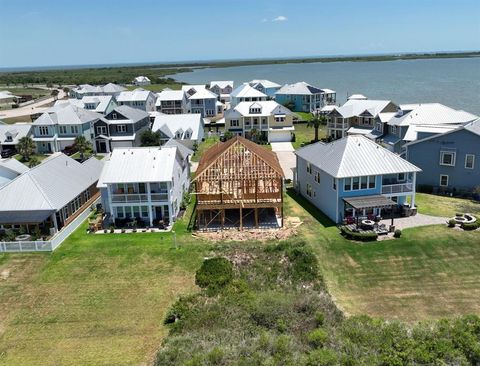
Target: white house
10	169
272	121
172	102
223	89
186	128
246	93
141	80
192	89
146	184
87	90
103	104
138	98
11	134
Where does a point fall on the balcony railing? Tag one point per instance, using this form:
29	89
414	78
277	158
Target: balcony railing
397	188
158	197
129	198
337	125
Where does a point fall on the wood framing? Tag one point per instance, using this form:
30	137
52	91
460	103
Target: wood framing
237	175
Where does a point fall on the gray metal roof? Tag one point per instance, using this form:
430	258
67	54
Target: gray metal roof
16	131
66	114
50	185
354	156
374	201
133	114
300	88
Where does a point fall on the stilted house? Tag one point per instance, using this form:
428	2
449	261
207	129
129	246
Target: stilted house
239	184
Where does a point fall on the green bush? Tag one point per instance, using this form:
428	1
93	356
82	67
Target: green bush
471	226
322	357
397	233
317	337
360	236
319	318
304	263
214	273
452	223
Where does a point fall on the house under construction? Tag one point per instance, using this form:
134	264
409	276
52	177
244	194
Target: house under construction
238	184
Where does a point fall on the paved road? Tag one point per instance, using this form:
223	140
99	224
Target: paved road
37	107
286	157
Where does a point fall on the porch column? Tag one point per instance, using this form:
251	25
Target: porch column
54	219
110	198
150	208
414	180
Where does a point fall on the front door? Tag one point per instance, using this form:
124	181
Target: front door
101	146
159	212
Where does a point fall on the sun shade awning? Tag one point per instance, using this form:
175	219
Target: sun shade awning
376	201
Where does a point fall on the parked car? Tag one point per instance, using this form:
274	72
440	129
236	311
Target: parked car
8	153
70	150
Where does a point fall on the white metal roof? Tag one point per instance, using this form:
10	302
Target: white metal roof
300	88
16	131
267	84
356	107
66	114
204	94
14	165
141	79
198	87
413	130
50	185
170	95
357	97
354	156
139	164
138	94
247	91
430	114
222	84
267	108
101	102
174	123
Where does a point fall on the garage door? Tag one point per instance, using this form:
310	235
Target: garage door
279	136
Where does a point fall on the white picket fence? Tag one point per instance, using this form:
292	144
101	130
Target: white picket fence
46	245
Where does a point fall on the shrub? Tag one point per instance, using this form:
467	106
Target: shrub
184	306
123	231
452	223
134	230
471	226
322	357
317	337
425	188
397	233
304	263
214	273
360	236
112	229
105	231
319	318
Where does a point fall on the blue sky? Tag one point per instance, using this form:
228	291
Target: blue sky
53	32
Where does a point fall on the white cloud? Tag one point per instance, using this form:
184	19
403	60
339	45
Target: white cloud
280	18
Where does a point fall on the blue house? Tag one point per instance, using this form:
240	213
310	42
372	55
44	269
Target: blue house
265	86
204	102
450	161
305	97
353	177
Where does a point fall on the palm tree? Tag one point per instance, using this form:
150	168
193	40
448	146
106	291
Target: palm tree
316	122
82	145
34	161
26	147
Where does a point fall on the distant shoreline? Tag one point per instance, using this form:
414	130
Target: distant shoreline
247	62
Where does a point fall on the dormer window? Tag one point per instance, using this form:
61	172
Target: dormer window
9	138
114	115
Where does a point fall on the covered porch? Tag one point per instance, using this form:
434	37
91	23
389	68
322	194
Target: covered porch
365	213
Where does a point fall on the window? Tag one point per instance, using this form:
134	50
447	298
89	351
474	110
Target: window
43	130
74	130
347	186
234	122
114	116
144	211
255	110
447	158
371	182
309	190
334	181
469	161
121	128
63	130
379	127
393	130
309	168
101	130
136	211
443	180
120	213
363	182
317	177
401	177
255	121
279	119
355	183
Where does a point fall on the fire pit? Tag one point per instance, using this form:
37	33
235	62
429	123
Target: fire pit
24	237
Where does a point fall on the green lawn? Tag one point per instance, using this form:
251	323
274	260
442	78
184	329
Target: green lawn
97	300
429	272
12	120
304	134
35	92
304	116
445	206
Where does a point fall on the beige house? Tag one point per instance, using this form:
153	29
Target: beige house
271	121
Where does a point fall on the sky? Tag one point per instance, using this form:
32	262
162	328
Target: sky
54	32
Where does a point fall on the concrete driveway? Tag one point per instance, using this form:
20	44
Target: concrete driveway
286	157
